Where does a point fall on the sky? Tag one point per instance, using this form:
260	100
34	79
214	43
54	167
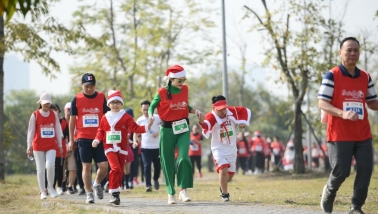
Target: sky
359	17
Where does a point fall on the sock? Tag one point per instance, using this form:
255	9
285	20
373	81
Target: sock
95	184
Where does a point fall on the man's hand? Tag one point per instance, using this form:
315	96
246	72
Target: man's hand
135	145
70	146
350	115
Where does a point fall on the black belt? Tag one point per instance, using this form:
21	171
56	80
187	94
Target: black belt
168	124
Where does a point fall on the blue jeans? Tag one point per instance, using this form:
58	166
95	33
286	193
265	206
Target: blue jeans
149	157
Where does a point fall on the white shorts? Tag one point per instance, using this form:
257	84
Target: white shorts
228	161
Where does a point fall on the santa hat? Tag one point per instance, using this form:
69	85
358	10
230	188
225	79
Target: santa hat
257	133
114	95
175	71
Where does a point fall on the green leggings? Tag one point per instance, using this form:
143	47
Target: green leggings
168	142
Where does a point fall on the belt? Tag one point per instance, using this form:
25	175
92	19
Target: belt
168	124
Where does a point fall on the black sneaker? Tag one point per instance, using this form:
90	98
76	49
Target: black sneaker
156	185
326	203
225	197
70	190
354	209
114	198
149	189
81	192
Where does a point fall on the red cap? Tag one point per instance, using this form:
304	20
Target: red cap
221	104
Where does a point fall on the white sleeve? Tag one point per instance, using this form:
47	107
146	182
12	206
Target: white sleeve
31	131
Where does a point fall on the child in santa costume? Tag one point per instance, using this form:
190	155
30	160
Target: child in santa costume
172	105
112	132
221	122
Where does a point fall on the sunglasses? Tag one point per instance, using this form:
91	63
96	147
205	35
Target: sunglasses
180	80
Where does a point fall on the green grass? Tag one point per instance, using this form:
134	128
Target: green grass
19	193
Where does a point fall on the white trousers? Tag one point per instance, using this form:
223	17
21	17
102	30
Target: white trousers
45	160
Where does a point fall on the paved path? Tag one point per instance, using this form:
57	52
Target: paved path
142	205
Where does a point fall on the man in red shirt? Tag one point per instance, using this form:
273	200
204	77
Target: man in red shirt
345	93
87	108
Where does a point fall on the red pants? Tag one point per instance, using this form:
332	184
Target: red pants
116	163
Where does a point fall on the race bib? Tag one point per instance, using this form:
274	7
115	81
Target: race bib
113	137
180	126
242	151
90	121
357	107
276	151
259	148
47	132
194	147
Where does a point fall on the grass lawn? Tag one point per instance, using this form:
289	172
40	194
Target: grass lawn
19	193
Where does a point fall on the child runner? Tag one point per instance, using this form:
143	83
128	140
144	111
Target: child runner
221	123
112	132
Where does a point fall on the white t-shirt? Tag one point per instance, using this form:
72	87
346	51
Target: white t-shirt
148	141
227	144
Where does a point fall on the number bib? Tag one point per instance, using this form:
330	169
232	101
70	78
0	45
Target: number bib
223	135
357	107
276	151
242	151
90	121
194	147
180	126
259	148
47	132
113	137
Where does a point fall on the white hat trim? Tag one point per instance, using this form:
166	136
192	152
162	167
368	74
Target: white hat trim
115	98
177	75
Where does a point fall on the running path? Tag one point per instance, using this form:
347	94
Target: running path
143	205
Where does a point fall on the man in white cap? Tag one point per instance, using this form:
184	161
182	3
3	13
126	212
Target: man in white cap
87	108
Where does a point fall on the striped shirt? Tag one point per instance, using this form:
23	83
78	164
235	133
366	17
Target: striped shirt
327	87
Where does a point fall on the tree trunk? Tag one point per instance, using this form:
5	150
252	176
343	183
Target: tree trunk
2	147
131	86
299	166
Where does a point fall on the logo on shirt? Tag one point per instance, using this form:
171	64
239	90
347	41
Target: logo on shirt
91	110
178	106
51	125
354	94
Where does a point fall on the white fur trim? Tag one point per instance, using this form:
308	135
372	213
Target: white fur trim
177	75
115	98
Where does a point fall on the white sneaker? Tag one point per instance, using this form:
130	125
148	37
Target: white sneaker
183	196
171	199
52	192
60	191
43	195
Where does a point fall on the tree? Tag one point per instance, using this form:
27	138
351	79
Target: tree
293	53
26	39
9	7
136	42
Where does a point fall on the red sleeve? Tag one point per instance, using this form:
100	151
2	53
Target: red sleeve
133	126
100	135
208	124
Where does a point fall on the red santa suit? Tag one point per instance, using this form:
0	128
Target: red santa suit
113	132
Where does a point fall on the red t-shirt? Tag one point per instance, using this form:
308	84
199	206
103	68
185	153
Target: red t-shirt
242	149
45	133
89	114
195	149
349	93
176	108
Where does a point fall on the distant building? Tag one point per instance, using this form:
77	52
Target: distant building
16	74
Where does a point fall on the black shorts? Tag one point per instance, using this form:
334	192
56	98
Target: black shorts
87	152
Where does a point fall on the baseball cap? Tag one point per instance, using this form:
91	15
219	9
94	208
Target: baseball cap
68	105
88	78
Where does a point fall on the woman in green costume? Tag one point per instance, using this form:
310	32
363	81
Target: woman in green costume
172	105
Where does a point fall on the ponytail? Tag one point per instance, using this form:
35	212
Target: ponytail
169	90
